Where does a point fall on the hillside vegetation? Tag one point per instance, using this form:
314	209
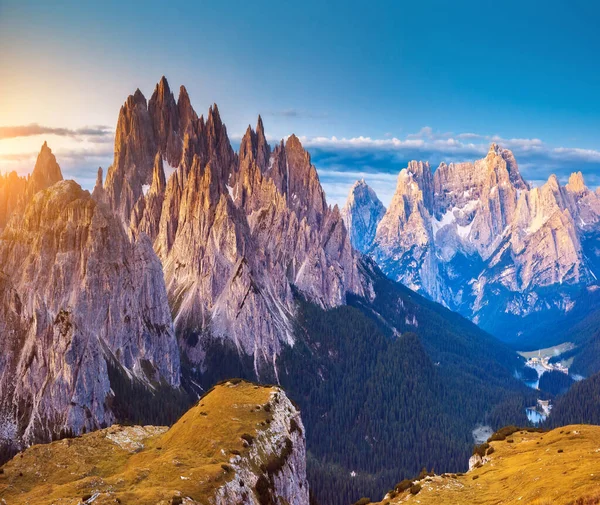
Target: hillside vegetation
557	467
387	387
187	463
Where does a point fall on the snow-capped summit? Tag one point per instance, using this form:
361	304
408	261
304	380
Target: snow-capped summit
475	237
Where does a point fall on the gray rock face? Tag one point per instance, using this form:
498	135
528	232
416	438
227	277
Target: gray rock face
290	482
476	237
404	237
76	293
361	215
234	232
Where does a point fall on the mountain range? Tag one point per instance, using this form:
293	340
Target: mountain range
190	263
479	239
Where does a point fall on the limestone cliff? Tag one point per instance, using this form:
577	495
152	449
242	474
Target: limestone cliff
76	294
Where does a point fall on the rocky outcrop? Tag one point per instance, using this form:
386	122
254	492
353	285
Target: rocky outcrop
282	450
477	238
76	295
235	232
241	444
361	215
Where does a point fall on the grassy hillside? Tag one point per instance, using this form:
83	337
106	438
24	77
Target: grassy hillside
143	465
557	467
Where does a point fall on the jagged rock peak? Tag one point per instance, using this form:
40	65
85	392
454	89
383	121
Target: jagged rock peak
187	114
254	145
511	164
99	177
98	193
361	214
163	86
260	129
214	117
46	171
576	183
553	182
158	175
137	98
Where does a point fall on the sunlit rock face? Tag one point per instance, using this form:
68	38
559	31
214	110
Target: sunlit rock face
477	238
234	231
76	293
16	191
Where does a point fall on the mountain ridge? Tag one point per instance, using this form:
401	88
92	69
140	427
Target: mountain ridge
477	238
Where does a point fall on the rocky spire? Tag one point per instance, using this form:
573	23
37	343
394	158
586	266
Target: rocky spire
576	184
98	193
361	215
158	175
135	148
511	164
304	192
262	147
165	120
46	171
187	114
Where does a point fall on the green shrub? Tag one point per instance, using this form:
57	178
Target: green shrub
480	449
403	485
176	500
490	450
363	501
502	433
424	473
276	464
248	438
263	491
415	489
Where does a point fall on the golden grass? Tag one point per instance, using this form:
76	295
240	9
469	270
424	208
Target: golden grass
529	471
186	460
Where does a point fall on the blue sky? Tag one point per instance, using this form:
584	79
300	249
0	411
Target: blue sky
441	78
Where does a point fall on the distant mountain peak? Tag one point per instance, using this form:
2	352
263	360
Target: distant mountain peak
361	214
482	215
